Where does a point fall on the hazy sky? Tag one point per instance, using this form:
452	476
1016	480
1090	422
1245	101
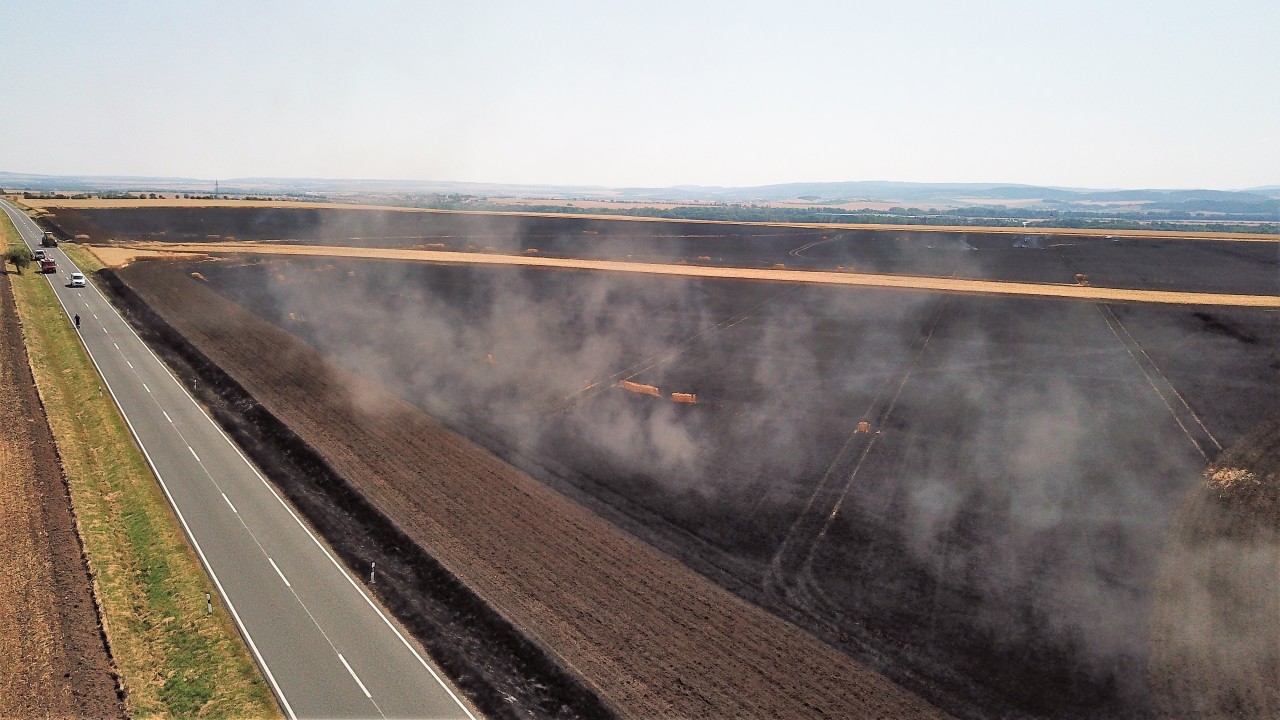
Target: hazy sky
1169	93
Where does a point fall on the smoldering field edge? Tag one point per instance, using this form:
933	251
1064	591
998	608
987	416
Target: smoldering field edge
1001	533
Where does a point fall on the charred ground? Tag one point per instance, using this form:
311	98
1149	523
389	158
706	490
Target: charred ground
648	635
993	542
1153	263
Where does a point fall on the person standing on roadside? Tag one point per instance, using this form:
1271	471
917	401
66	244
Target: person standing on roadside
77	322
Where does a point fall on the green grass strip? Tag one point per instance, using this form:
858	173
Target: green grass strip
174	660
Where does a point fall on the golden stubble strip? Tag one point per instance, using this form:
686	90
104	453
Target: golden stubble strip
123	253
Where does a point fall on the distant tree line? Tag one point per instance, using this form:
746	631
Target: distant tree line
134	195
996	216
55	196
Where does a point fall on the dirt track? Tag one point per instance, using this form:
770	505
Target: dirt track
120	255
55	663
650	636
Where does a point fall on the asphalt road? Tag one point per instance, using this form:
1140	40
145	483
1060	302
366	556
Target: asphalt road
323	644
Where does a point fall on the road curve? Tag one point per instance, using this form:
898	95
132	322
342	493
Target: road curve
323	644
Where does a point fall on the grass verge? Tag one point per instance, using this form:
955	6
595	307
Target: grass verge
82	257
174	660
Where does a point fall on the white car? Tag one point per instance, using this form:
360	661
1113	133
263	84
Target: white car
77	280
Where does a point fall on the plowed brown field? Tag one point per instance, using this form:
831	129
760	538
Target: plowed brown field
653	638
53	662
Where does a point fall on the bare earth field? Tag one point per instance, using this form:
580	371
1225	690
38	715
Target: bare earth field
55	661
977	495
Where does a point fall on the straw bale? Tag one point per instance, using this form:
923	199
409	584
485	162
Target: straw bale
640	388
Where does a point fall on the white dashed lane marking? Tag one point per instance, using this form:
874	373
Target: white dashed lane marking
363	689
286	582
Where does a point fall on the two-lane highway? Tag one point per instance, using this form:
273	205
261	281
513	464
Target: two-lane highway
325	647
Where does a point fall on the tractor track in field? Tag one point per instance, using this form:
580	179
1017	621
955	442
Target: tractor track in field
788	579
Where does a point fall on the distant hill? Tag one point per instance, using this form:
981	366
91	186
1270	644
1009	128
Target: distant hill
1272	191
1255	203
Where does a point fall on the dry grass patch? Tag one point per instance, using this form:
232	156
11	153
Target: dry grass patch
1229	477
118	256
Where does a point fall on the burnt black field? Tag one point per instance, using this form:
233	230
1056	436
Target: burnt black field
1198	266
992	539
990	542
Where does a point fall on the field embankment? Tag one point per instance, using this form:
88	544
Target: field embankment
172	658
55	657
649	636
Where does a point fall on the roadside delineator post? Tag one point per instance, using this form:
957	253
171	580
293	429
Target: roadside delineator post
373	566
208	604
